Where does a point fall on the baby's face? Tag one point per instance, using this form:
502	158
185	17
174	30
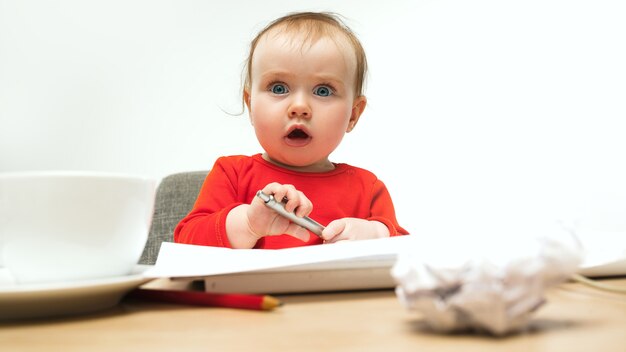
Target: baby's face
302	99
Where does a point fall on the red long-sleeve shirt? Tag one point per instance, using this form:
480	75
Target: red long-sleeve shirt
346	191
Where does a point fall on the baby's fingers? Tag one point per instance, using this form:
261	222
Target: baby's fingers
296	202
293	200
303	207
332	232
298	232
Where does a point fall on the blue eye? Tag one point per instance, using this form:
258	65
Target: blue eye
323	91
279	88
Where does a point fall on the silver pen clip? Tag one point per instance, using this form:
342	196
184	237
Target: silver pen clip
279	207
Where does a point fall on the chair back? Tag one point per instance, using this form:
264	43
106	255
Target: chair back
175	196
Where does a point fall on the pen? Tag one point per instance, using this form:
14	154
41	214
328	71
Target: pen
197	298
279	207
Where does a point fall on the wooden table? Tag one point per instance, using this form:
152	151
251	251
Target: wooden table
576	318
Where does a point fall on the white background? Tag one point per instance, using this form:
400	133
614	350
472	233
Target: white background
475	107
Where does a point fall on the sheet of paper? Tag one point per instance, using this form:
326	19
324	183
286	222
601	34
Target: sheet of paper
180	260
604	252
602	247
494	286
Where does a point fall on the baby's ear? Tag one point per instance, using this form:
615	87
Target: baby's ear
246	98
357	109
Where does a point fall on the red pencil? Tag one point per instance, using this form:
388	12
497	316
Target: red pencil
197	298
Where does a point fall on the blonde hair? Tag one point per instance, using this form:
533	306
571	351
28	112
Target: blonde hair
314	25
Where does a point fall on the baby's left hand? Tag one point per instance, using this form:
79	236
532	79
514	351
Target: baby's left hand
353	229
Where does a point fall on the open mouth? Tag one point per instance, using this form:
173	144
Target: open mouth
298	137
298	134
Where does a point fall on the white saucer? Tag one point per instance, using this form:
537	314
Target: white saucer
69	298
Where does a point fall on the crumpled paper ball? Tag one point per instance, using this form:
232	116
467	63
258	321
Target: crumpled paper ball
484	279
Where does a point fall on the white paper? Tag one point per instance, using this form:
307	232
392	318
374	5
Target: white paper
492	280
180	260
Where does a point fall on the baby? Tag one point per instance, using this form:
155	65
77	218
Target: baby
303	90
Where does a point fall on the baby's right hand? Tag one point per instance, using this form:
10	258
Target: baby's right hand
263	221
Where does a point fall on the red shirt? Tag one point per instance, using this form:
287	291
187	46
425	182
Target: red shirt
346	191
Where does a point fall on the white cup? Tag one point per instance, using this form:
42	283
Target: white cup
66	226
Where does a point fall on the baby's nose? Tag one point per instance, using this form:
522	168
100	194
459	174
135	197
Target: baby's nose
299	112
299	107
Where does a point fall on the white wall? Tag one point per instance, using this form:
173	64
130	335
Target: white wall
475	107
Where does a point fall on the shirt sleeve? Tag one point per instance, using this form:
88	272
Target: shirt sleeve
382	209
206	222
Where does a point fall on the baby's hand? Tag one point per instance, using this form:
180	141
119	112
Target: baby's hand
263	221
354	229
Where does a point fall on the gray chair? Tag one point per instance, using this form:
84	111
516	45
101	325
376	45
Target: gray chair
175	197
